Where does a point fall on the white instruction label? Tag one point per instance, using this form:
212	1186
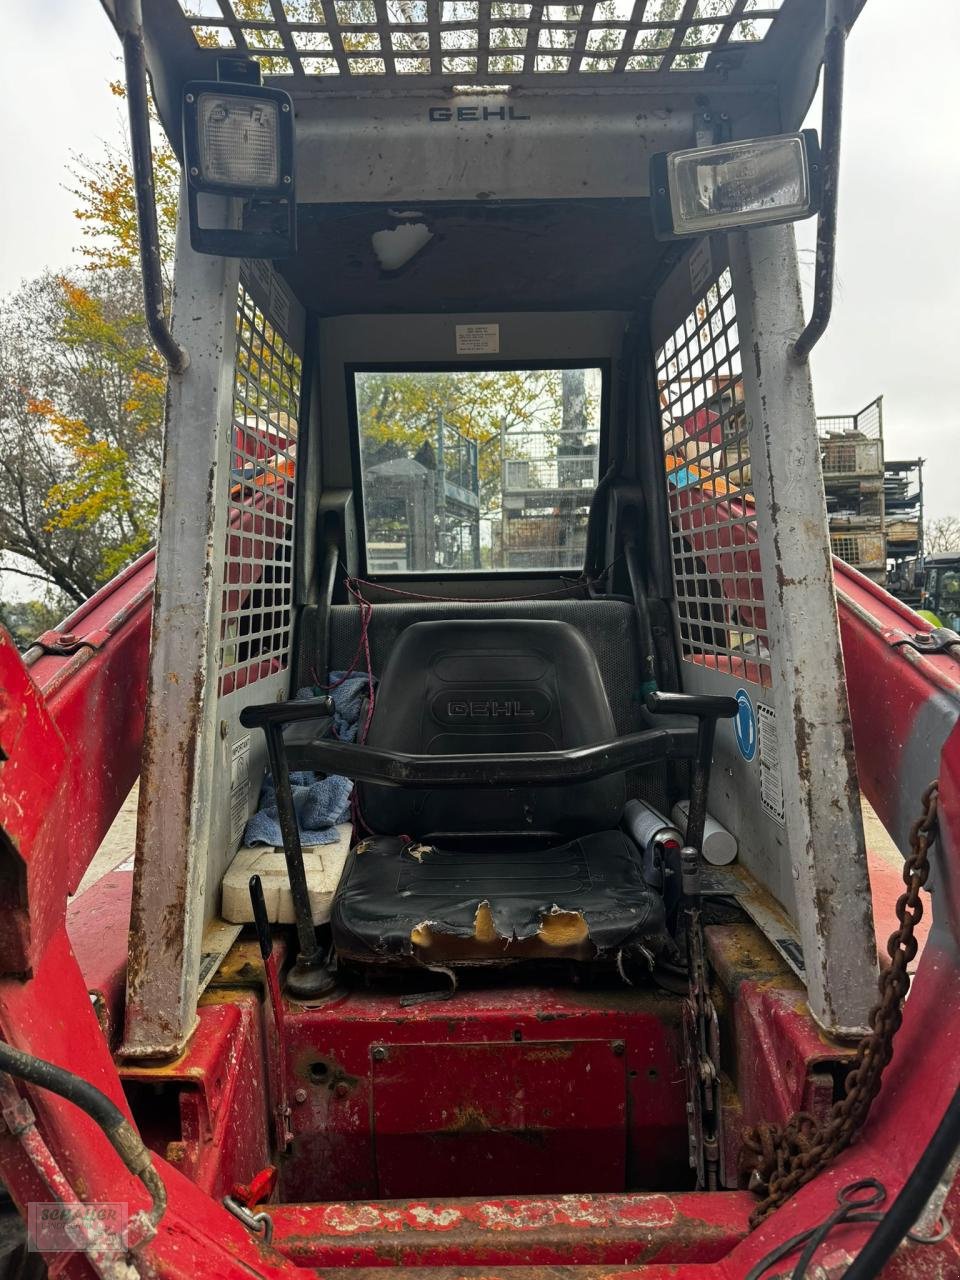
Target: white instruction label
478	339
771	779
239	788
701	267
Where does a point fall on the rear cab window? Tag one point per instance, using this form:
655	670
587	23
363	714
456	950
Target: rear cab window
479	470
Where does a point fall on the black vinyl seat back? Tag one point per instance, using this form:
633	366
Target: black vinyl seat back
505	685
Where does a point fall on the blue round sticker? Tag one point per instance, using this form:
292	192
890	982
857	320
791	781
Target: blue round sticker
746	725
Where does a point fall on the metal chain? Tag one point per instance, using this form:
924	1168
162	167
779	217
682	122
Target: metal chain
781	1159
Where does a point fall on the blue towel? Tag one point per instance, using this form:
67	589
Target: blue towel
320	803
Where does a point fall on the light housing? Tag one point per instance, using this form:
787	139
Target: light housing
754	182
238	140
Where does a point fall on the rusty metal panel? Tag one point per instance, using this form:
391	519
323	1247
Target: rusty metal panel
755	611
173	833
218	640
821	795
541	1231
545	1116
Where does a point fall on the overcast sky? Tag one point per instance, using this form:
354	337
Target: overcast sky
895	326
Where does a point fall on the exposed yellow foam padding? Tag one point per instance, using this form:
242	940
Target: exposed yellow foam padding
563	929
421	935
483	929
559	931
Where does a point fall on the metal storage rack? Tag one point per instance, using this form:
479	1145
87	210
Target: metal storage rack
851	455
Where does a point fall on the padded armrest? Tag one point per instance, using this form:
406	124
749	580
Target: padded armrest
521	769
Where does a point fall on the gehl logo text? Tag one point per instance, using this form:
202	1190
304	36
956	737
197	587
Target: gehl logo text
489	709
439	115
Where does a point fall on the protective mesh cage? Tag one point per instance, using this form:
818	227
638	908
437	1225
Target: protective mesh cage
716	555
479	40
256	619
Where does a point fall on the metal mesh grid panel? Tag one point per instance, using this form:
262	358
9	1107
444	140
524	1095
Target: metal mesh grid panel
868	422
477	41
256	620
851	455
716	556
862	550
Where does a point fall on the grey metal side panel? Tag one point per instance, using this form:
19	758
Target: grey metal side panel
820	791
180	741
234	794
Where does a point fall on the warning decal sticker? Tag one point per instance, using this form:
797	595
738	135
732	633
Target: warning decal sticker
771	780
239	788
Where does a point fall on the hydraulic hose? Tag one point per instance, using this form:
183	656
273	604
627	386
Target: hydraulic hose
119	1131
914	1194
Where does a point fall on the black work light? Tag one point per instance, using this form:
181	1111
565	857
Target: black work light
238	141
754	182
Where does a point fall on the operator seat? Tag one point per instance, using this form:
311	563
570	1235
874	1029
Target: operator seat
486	876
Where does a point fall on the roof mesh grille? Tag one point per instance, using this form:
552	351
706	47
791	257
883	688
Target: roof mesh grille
477	42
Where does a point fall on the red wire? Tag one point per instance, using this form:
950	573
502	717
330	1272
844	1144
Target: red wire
416	595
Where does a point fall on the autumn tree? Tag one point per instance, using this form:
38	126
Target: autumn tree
942	535
81	394
81	404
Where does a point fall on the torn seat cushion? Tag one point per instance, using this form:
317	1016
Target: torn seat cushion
507	685
406	902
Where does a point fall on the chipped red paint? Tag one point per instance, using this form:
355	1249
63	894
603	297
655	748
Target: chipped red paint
217	1090
545	1231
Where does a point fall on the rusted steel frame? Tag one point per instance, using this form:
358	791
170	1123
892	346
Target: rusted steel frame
519	1231
818	770
180	737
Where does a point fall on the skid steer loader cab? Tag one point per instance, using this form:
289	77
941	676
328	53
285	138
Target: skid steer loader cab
499	829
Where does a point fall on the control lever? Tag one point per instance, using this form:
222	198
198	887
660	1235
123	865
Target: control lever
708	708
310	977
264	937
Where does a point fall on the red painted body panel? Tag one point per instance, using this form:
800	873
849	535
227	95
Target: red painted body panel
498	1117
541	1230
336	1153
98	921
889	685
96	697
217	1088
